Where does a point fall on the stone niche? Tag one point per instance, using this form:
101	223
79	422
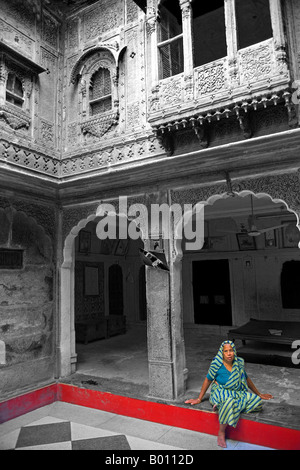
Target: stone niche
26	304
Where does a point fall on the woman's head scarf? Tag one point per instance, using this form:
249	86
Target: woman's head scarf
237	376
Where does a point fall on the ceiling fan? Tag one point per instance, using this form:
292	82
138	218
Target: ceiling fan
253	231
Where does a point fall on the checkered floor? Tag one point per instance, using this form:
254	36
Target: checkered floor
62	426
54	434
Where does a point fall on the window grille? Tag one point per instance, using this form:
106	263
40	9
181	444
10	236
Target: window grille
170	40
100	92
11	259
14	90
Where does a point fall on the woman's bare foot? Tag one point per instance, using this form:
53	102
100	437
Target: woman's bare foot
221	436
222	440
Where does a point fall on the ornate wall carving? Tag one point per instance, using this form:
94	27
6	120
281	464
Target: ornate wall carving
256	63
284	186
110	14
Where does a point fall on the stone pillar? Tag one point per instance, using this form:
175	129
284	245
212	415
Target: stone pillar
279	36
161	372
277	22
3	78
151	26
166	350
186	10
66	326
231	39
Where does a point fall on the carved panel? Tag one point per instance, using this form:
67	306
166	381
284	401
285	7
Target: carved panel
50	31
171	91
210	78
256	63
47	132
133	114
106	17
16	39
73	36
48	60
131	11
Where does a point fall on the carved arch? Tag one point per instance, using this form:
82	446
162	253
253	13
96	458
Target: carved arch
72	228
103	56
111	51
283	189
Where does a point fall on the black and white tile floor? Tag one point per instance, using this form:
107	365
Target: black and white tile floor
63	426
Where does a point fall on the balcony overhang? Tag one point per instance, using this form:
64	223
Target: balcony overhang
18	57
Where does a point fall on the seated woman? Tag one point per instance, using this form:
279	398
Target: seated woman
229	392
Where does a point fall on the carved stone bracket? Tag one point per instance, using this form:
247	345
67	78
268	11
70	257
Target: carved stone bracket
164	129
99	124
15	118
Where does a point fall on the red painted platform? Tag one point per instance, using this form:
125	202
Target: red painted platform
252	432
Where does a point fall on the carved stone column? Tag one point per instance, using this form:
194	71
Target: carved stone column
166	350
151	27
187	14
231	39
3	78
278	35
186	10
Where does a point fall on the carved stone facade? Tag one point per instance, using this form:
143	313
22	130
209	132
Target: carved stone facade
229	127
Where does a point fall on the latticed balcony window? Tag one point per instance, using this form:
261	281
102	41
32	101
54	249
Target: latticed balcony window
100	92
14	90
170	40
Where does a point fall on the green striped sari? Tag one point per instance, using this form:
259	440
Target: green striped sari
233	398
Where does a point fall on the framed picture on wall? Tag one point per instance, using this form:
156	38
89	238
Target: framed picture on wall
245	242
84	241
91	280
290	234
270	239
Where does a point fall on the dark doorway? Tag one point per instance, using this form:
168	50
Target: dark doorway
290	281
211	292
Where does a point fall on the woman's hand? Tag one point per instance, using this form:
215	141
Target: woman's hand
265	396
193	401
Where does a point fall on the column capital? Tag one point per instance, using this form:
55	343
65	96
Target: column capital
185	3
185	6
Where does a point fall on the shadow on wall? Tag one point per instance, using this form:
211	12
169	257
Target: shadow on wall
26	300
